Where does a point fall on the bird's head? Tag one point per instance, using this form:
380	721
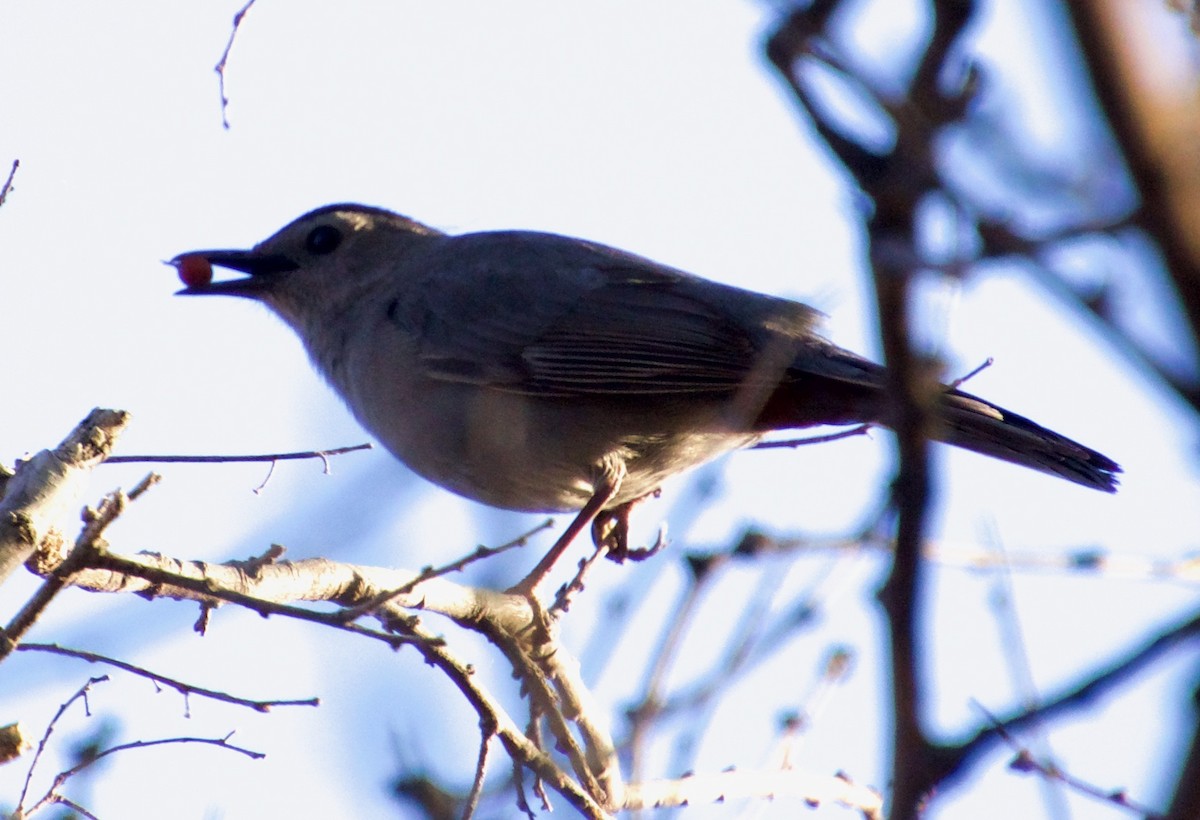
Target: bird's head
320	258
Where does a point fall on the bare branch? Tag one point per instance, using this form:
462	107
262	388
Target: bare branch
47	487
214	584
523	752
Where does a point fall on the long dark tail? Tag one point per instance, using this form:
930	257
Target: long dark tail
829	385
974	424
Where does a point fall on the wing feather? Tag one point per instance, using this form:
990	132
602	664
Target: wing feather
547	315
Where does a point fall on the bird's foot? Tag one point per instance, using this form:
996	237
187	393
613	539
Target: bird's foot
610	530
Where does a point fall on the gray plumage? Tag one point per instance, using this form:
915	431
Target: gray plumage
518	368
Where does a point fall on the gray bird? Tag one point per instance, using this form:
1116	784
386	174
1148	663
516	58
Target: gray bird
538	372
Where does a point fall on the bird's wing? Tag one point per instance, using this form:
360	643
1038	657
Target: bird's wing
548	315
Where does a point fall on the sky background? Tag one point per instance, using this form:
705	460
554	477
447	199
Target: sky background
656	129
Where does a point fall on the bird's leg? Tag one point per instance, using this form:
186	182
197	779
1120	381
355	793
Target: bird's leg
605	487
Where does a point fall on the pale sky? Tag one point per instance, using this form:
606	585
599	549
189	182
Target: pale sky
659	130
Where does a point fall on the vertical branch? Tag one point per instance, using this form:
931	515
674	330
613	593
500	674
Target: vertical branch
916	763
896	182
1155	124
901	593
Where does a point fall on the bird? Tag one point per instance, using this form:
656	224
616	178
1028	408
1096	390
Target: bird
538	372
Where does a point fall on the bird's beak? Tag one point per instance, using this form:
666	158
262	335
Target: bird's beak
263	269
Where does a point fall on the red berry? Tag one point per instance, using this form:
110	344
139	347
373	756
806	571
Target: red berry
194	270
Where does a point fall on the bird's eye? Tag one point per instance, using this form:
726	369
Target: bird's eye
323	239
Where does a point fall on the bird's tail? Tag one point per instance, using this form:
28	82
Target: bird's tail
828	385
839	387
974	424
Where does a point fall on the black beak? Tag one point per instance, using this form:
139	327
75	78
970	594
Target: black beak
263	269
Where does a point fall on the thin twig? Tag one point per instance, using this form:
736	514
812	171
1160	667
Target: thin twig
836	668
650	700
52	795
1027	761
1002	599
8	183
62	800
273	458
321	454
860	430
562	598
472	801
1099	684
354	612
270	472
737	649
961	380
220	66
81	693
185	689
736	785
142	486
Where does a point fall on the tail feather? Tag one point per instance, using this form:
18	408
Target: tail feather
982	427
829	385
